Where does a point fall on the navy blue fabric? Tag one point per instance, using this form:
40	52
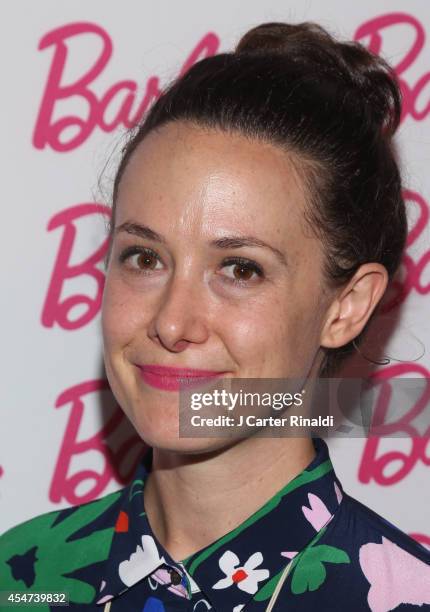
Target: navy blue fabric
343	555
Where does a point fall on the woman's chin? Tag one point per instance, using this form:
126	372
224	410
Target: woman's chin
173	442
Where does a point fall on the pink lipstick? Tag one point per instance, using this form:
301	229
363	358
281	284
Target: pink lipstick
171	379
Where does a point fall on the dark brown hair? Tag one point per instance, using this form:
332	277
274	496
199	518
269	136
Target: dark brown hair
335	107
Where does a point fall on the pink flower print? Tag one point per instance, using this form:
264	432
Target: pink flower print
395	576
105	599
246	577
289	554
338	493
162	576
318	514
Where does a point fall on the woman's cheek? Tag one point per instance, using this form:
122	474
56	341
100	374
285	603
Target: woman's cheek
269	344
252	338
121	314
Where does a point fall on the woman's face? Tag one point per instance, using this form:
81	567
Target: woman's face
211	268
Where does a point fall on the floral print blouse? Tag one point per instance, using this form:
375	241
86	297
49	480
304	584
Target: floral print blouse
340	555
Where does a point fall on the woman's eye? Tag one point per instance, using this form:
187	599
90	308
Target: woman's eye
140	259
242	270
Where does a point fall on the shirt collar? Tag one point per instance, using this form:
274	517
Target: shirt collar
231	570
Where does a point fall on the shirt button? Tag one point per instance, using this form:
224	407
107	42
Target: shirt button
175	577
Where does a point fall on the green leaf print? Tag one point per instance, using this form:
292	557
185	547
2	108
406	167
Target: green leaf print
309	567
136	488
52	555
310	572
308	576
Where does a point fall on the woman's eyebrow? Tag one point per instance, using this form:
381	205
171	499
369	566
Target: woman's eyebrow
226	242
236	242
137	229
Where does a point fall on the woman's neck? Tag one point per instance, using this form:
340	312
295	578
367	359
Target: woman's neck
191	501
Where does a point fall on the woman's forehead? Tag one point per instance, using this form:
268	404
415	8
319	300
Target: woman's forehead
184	170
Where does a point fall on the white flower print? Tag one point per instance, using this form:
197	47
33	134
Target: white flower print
141	563
246	577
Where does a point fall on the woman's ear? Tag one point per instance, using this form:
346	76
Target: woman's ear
352	307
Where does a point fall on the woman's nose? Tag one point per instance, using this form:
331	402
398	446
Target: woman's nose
180	318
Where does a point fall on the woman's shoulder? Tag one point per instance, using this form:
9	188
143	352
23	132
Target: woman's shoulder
377	564
361	557
55	522
373	528
37	553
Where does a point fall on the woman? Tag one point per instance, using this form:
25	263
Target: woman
257	221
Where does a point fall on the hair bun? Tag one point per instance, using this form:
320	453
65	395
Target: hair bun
279	36
349	64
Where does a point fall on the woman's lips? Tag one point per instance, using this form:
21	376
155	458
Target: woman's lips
173	379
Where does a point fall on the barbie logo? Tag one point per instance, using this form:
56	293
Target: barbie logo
69	131
416	101
58	309
65	482
423	539
414	270
390	467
